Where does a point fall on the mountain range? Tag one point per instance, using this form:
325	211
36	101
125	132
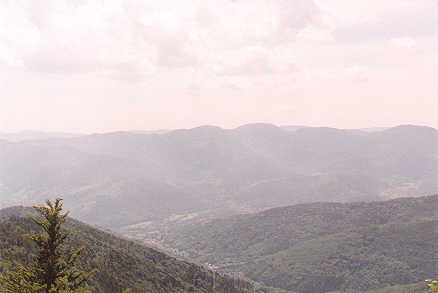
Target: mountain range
295	208
121	179
31	135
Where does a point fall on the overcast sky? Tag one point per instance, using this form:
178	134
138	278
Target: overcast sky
107	65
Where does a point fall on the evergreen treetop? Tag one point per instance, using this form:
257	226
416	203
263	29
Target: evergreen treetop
55	267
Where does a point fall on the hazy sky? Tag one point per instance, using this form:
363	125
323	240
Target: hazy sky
106	65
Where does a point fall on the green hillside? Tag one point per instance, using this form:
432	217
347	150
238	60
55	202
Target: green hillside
419	287
410	288
323	246
120	263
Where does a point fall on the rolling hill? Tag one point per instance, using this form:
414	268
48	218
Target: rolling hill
121	263
125	178
322	247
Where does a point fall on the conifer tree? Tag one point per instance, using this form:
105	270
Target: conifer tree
54	271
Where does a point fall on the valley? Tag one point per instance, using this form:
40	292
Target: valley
306	210
111	179
320	247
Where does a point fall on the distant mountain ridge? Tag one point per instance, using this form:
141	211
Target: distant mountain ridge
321	247
29	135
126	178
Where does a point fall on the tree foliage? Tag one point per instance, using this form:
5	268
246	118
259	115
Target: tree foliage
121	263
55	267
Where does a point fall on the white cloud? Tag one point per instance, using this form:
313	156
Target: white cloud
403	42
358	21
219	61
84	36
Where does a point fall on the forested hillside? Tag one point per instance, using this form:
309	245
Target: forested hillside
411	288
125	178
322	247
120	263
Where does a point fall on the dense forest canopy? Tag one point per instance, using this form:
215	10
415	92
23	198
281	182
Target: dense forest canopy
120	263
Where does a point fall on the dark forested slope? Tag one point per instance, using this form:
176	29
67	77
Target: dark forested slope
120	263
322	246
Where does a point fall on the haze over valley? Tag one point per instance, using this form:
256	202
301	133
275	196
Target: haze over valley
221	146
111	179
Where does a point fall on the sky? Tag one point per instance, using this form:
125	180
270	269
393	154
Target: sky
99	66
